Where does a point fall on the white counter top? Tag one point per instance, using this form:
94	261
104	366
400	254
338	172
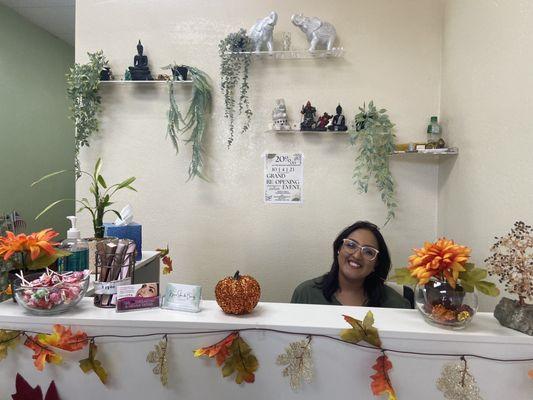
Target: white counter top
392	323
342	370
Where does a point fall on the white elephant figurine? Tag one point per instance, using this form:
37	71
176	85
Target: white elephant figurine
316	30
261	32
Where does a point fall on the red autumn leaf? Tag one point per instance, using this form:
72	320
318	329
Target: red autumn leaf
26	392
42	354
381	383
219	350
62	338
167	269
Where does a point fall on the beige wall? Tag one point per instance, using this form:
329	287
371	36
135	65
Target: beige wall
486	109
392	56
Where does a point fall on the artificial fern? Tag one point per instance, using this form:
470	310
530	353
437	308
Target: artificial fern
194	121
234	68
82	90
375	142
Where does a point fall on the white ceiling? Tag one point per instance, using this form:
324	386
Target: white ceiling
55	16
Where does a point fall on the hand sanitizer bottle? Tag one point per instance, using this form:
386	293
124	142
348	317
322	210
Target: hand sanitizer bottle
78	260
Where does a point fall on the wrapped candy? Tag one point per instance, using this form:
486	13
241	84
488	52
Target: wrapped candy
52	289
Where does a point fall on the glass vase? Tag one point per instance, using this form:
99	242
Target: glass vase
445	306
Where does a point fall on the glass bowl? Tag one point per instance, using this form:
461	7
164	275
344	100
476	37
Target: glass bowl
444	306
52	297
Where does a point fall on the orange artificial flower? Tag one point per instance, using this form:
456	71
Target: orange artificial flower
36	243
443	259
11	244
39	241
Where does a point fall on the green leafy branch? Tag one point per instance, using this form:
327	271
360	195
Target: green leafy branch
235	68
375	142
194	121
82	90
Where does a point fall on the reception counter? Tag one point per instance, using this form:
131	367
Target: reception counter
341	370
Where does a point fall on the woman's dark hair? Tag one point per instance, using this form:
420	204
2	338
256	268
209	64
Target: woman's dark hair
374	283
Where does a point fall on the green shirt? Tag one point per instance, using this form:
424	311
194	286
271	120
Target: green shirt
309	292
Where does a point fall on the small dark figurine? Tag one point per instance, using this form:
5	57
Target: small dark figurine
309	113
179	72
323	122
339	121
105	74
140	70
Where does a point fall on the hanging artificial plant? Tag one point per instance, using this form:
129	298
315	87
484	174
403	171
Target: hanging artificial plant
234	68
82	90
194	121
375	142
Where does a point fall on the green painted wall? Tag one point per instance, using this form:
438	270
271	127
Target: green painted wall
36	136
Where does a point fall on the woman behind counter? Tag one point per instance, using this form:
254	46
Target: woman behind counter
361	263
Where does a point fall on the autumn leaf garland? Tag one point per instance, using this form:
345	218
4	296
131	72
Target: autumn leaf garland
234	355
299	363
381	383
43	346
8	339
365	331
61	338
158	356
92	364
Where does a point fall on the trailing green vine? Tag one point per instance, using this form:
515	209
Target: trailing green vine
375	142
234	68
82	90
194	121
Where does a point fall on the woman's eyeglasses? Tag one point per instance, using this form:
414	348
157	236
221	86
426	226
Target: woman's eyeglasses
350	247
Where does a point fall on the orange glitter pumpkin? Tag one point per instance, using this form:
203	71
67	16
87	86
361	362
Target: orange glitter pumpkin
237	294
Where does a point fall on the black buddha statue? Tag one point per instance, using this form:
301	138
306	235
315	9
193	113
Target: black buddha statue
309	112
140	70
339	121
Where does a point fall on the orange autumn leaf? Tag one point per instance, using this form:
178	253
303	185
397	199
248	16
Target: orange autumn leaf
42	354
62	338
219	350
530	373
380	380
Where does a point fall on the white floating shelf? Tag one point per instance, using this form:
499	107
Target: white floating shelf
293	54
447	151
123	82
299	131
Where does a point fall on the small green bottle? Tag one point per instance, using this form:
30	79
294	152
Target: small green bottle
434	132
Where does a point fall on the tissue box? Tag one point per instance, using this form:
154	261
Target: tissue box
133	231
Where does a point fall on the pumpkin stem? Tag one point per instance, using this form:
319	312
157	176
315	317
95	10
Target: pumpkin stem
236	276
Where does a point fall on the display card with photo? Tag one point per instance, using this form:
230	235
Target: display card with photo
136	297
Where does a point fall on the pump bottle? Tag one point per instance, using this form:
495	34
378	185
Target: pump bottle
78	260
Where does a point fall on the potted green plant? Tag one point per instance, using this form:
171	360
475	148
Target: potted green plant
235	58
102	193
374	140
82	90
194	121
